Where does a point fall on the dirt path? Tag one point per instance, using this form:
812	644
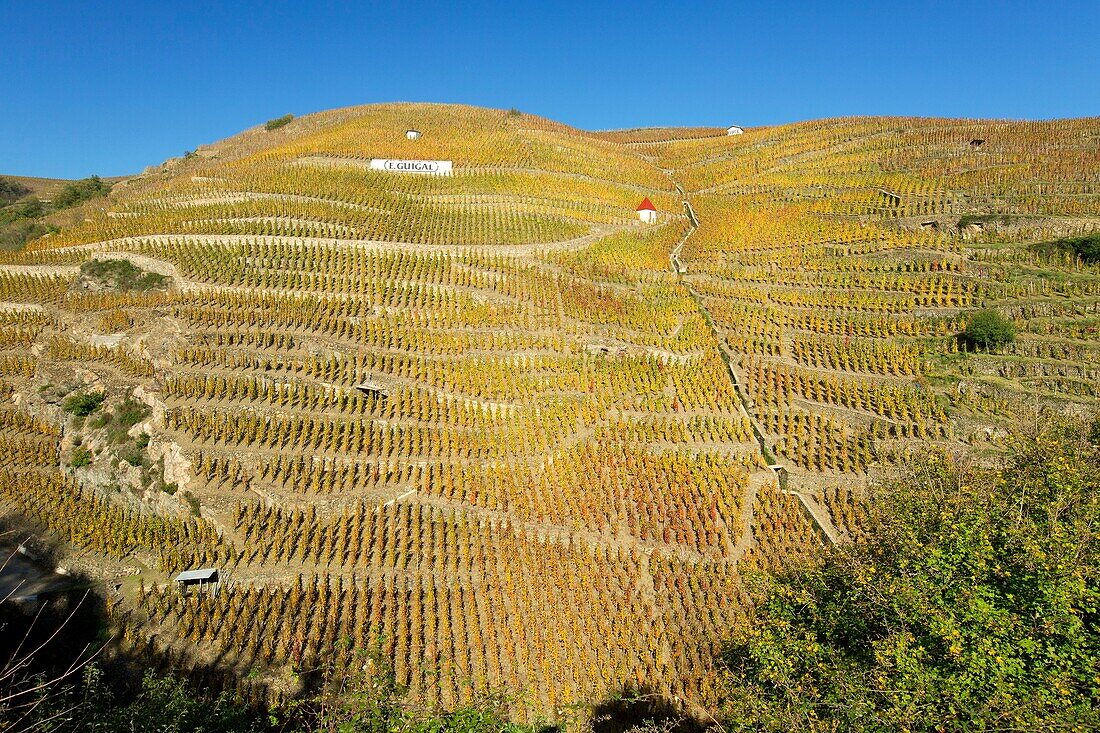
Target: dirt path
146	263
818	515
236	197
64	270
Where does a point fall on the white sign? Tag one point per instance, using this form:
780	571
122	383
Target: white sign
429	167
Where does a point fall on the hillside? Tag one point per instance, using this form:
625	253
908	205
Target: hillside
33	207
43	188
529	442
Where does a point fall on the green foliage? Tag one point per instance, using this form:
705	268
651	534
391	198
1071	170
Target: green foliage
77	192
123	417
193	503
17	233
81	458
83	404
973	603
19	223
365	702
278	122
165	704
988	330
11	190
121	275
368	699
134	455
30	209
1086	247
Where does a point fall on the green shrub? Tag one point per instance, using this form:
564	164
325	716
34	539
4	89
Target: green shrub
122	275
971	601
83	403
988	330
78	192
125	416
14	235
134	455
30	209
11	190
278	122
193	502
1086	247
81	458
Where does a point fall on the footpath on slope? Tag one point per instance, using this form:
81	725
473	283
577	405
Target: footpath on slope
816	513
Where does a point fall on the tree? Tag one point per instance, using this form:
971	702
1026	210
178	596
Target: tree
972	603
989	330
83	404
78	192
11	190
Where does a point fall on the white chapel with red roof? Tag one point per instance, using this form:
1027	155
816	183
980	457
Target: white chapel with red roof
647	212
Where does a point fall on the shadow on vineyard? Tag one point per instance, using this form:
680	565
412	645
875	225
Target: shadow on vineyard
642	709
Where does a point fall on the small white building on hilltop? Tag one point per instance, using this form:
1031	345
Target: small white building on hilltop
412	134
735	130
647	212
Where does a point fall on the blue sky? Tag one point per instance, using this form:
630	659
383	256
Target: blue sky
110	88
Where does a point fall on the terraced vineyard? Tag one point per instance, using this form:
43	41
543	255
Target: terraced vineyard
492	421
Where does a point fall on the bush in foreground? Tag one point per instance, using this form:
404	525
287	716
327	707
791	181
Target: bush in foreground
972	604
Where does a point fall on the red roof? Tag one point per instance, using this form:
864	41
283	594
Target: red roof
646	205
